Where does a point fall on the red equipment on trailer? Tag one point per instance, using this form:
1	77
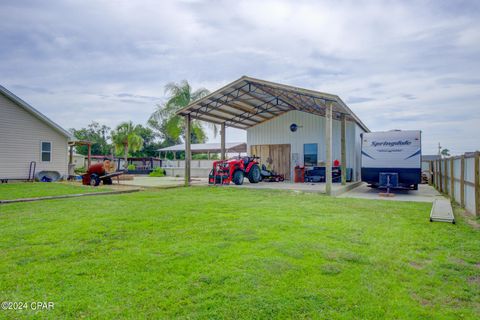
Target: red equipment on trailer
99	172
226	171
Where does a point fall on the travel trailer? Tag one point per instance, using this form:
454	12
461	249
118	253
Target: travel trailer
392	159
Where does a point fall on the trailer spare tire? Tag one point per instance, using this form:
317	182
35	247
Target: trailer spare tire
238	177
254	175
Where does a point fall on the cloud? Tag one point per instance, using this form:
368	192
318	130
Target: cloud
398	64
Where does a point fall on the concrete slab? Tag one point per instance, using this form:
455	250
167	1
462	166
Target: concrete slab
169	182
442	211
425	193
337	188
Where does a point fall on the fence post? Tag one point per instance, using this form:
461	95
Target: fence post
439	182
452	179
445	175
440	188
462	181
431	177
477	183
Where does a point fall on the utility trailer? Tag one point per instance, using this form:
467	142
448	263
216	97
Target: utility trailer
392	159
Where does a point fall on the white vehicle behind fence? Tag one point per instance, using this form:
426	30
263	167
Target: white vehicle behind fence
392	159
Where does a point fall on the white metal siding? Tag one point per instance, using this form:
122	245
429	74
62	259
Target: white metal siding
311	130
20	136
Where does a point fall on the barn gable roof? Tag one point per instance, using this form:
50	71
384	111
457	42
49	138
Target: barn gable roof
247	102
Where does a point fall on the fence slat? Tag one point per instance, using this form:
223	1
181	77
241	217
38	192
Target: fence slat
445	175
462	181
452	180
440	176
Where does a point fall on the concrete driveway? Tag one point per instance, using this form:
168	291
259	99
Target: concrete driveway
425	193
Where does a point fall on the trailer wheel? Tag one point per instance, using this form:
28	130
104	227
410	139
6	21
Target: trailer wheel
107	181
415	187
94	180
254	175
238	177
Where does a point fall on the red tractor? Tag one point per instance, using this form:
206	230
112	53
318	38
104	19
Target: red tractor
226	171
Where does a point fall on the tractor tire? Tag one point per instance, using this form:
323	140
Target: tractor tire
94	180
238	177
415	187
254	175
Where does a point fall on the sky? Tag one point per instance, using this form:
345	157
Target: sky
397	64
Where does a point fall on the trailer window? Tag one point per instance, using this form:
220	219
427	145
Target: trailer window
310	154
46	151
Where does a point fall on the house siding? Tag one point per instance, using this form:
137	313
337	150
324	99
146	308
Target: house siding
311	130
21	134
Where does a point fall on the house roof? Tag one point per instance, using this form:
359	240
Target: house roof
209	147
8	94
247	102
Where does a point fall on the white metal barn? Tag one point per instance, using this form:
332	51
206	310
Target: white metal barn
27	135
288	125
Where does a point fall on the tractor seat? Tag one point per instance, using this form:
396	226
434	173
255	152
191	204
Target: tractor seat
246	161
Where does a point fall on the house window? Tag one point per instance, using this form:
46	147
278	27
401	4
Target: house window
46	151
310	154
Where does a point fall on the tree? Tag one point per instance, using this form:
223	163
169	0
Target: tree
127	137
150	145
171	126
97	134
445	153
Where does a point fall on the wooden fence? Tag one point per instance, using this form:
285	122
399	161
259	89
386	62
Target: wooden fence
459	178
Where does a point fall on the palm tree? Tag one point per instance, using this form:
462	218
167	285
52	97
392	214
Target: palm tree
172	126
445	153
126	136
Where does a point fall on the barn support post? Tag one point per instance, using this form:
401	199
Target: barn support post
70	158
222	142
328	149
188	153
344	148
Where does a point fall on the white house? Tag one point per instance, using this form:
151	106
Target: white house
286	126
27	136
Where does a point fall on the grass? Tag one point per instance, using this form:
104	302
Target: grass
216	253
21	190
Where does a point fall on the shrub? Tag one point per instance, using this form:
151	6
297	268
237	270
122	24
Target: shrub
131	167
157	172
80	170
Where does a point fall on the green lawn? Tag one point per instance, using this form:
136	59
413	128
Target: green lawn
41	189
214	253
